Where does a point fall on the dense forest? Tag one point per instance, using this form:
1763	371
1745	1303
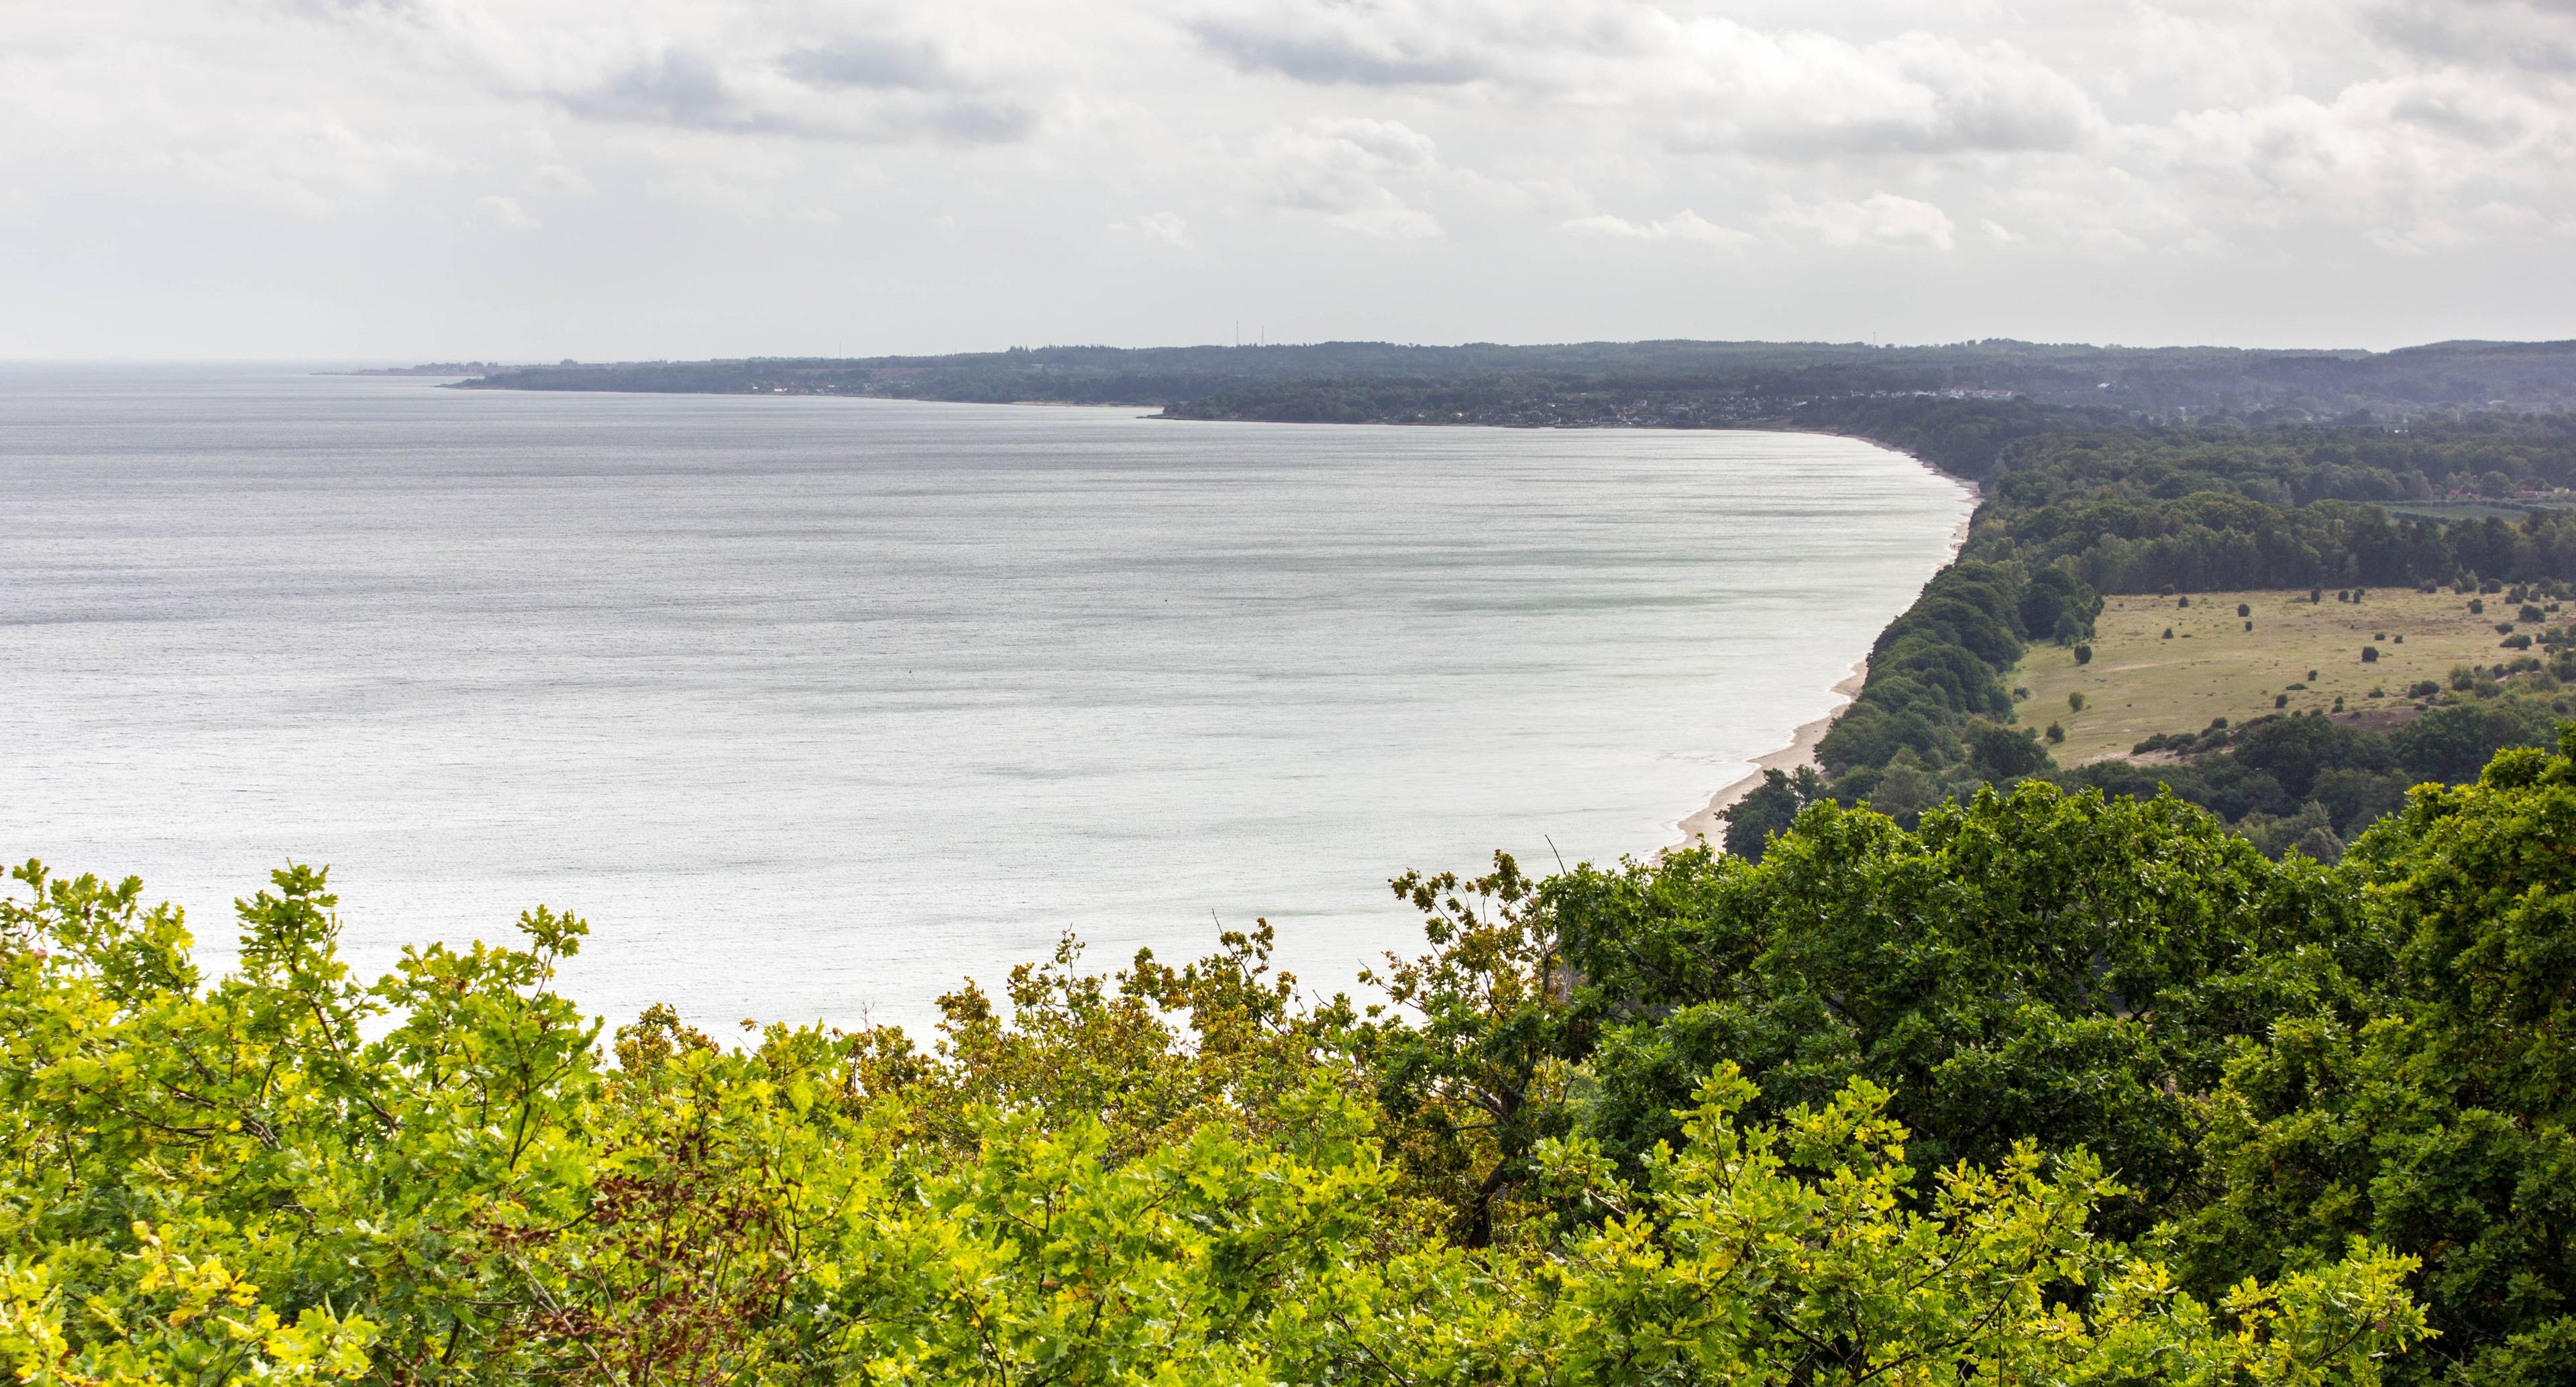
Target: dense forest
2075	509
1665	384
2049	1088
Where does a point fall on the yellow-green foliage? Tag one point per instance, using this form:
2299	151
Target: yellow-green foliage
1168	1177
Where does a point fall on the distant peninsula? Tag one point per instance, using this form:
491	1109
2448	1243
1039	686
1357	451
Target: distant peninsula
1664	384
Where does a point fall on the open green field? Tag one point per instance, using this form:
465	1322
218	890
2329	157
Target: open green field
2140	683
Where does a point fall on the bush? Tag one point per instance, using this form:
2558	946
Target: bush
2055	734
2424	688
2168	633
2280	700
2370	654
2075	702
2083	654
2244	609
2477	606
2517	642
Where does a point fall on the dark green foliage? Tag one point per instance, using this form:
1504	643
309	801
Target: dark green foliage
2039	962
1769	809
2429	1105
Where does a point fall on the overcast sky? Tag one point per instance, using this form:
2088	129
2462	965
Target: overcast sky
532	179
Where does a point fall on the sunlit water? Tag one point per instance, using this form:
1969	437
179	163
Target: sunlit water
814	706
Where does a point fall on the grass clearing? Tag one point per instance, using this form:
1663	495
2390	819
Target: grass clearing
2140	683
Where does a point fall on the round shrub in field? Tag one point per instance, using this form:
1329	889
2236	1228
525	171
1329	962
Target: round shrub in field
2083	654
2424	688
2075	702
2168	633
2370	654
2055	734
2243	609
2280	700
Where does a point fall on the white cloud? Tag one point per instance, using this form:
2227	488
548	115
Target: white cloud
312	163
1685	225
1166	227
1881	219
1346	171
505	213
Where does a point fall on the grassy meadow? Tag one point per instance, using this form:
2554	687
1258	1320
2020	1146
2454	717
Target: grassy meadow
2140	683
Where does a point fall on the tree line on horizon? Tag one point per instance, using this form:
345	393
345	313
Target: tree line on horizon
1675	383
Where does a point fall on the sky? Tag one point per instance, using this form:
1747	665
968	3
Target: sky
617	179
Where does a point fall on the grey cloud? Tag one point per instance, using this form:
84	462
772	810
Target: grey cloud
876	94
2445	115
1335	57
873	63
2530	35
674	87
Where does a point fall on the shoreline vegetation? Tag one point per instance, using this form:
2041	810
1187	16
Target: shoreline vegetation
2244	1064
1707	824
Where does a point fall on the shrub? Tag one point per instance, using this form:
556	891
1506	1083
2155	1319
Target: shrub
2075	702
2280	700
2424	688
2517	642
2370	654
2168	633
2055	734
2083	654
2244	609
2477	606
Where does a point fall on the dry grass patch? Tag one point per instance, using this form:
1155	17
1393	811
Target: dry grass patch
2141	683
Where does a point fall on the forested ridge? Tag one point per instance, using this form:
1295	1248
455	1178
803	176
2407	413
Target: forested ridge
1684	384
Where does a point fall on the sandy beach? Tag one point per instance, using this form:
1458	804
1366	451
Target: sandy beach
1706	825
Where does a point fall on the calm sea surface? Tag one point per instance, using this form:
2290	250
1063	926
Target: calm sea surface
815	706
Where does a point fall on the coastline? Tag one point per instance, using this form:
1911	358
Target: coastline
1706	824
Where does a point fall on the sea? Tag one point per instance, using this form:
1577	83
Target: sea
814	708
